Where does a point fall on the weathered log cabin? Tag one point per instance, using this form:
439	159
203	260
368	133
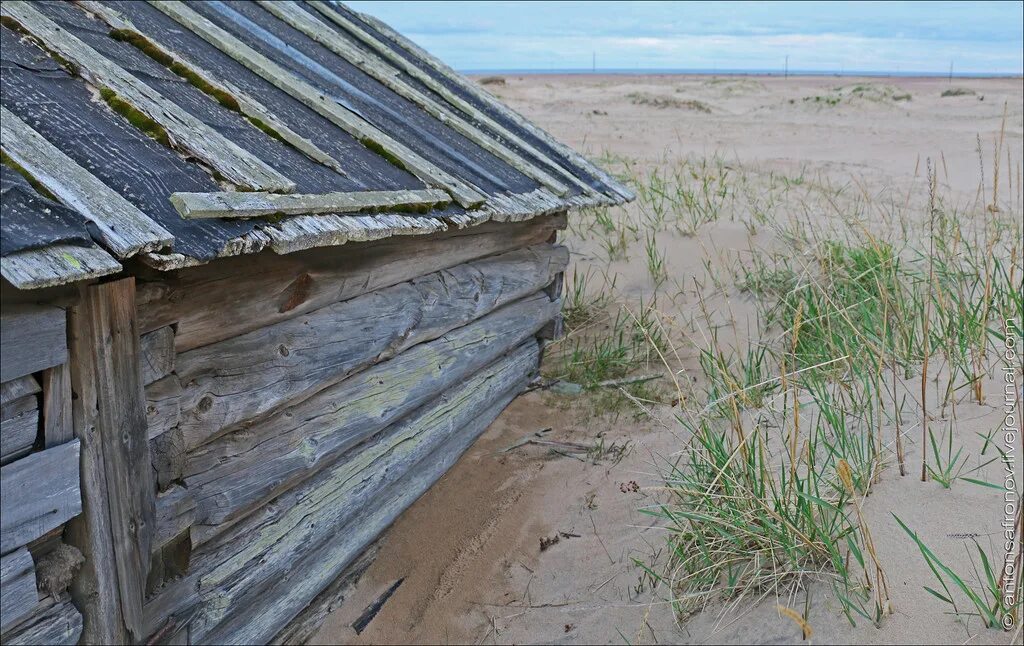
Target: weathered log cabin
268	268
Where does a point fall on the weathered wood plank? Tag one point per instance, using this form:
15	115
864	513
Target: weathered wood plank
247	105
237	165
95	589
301	548
122	227
464	193
58	622
231	475
121	420
392	79
175	513
18	388
242	379
18	595
38	493
237	295
57	425
479	93
18	428
158	356
56	265
254	205
33	338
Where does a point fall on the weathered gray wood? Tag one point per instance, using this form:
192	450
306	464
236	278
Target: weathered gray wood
254	205
18	595
157	348
237	295
464	193
122	227
18	388
476	115
18	428
231	475
57	425
474	89
175	512
121	420
95	589
301	629
392	79
38	493
237	165
33	338
324	525
242	379
163	405
248	106
59	264
57	622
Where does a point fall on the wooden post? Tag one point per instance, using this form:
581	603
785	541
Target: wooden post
117	525
57	424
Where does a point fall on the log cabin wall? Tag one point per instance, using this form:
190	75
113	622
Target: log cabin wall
297	404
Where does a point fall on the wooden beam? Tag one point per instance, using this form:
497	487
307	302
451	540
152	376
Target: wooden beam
276	288
56	265
254	205
236	164
122	227
247	105
175	513
472	88
465	194
57	425
377	69
94	589
39	492
33	338
18	594
121	420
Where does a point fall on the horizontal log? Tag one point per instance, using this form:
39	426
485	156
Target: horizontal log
237	295
241	380
231	475
18	595
18	428
254	205
333	517
37	494
18	388
56	622
33	338
157	358
163	405
175	512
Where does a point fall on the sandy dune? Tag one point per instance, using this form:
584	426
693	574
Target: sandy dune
470	549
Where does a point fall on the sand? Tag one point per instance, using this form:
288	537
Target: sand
470	549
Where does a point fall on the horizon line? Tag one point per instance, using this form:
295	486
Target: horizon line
738	72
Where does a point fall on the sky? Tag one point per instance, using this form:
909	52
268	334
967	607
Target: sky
982	37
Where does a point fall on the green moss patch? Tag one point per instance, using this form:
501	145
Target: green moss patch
135	117
21	170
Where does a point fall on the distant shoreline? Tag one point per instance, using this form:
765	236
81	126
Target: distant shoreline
760	73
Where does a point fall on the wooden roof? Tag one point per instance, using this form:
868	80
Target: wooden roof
181	132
